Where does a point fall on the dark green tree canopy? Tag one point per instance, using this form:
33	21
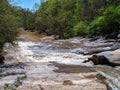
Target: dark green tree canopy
69	18
8	24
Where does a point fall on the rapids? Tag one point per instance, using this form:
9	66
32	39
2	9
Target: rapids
49	62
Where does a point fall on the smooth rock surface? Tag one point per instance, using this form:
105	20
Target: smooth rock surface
112	56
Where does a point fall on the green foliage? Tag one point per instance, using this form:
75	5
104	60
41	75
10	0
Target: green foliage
108	23
57	17
67	18
16	83
80	29
96	25
8	24
25	18
12	18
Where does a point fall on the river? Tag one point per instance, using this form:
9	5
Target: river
57	65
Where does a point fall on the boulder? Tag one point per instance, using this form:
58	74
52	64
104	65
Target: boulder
98	60
111	58
68	82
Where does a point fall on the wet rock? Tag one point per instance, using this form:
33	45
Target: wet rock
110	80
65	68
98	49
100	77
68	82
16	65
115	46
19	72
49	38
98	60
94	38
110	40
110	58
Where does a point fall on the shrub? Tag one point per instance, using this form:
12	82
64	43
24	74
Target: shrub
80	29
8	24
108	23
96	26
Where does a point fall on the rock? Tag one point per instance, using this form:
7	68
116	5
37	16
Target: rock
115	46
110	40
118	37
14	73
2	58
8	45
100	48
100	77
68	82
18	65
49	38
110	58
95	38
94	51
98	60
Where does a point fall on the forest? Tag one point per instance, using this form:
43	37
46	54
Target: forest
66	18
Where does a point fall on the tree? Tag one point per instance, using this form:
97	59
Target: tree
67	17
80	29
108	23
8	24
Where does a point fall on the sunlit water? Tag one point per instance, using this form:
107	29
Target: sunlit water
45	52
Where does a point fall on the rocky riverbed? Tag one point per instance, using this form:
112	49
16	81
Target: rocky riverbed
57	65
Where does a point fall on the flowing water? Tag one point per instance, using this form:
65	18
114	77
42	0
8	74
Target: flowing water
51	63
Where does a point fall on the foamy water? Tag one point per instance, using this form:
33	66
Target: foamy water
31	52
44	52
113	82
